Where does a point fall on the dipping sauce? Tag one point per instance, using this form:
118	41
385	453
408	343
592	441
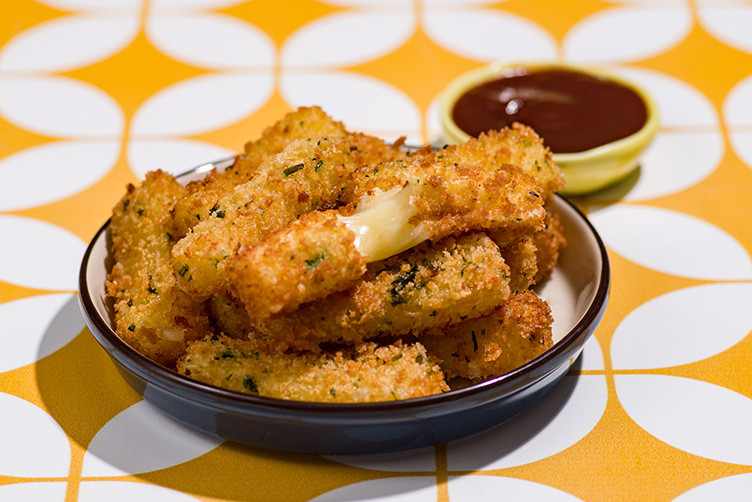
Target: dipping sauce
571	111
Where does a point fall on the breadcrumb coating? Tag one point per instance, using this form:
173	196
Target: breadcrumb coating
362	373
548	245
492	345
325	265
301	124
152	314
296	265
445	198
228	315
522	257
305	176
431	285
518	145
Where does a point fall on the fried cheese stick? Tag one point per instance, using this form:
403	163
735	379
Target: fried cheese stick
518	145
304	176
152	314
439	198
429	286
363	373
548	245
522	258
300	124
492	345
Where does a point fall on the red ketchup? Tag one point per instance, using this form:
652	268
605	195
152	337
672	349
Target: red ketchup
571	111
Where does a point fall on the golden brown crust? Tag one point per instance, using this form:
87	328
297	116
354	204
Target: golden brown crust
363	373
518	145
152	314
304	261
432	285
268	289
492	345
301	124
522	258
305	176
548	244
458	198
229	316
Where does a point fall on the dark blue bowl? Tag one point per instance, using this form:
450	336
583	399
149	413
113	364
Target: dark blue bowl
577	293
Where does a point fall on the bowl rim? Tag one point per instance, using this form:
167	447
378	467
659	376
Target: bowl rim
156	374
468	80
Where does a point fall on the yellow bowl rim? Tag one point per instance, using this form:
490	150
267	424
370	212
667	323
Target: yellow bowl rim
474	77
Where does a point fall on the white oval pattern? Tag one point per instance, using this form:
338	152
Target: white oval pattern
38	490
211	41
400	489
33	444
674	162
69	42
202	104
97	491
566	415
691	415
30	262
672	242
51	164
173	5
488	488
362	103
53	106
36	327
174	156
680	106
347	38
421	459
742	143
730	489
591	358
609	36
93	5
143	439
738	104
729	24
683	326
489	35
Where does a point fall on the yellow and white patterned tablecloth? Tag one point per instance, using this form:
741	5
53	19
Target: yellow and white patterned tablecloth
94	93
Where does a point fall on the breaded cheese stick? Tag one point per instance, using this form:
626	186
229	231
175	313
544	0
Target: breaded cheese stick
429	286
302	261
518	145
301	124
440	199
548	245
492	345
522	257
228	315
306	175
152	314
532	258
364	373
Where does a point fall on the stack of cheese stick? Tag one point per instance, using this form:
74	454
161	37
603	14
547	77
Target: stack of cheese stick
328	265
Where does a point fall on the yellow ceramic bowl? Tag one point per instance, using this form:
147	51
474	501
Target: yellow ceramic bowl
585	171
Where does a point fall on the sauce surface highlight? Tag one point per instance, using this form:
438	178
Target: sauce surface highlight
571	111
